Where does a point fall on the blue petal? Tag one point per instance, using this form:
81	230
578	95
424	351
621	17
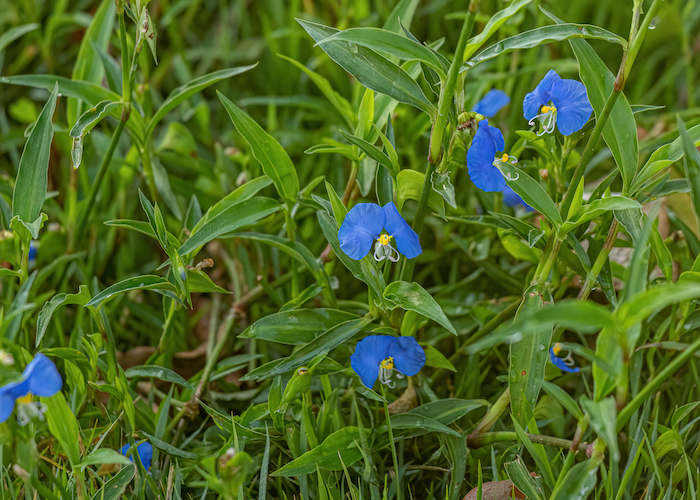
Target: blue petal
559	363
145	451
32	250
42	377
540	96
513	199
491	103
369	352
407	241
7	403
573	108
361	226
487	141
409	356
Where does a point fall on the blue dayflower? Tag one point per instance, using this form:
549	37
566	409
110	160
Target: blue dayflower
558	101
513	199
483	164
566	364
144	450
364	223
33	247
491	103
379	355
40	378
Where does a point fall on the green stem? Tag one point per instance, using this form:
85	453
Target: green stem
397	471
291	234
126	89
24	269
636	402
104	166
148	168
640	34
419	219
488	438
599	261
587	154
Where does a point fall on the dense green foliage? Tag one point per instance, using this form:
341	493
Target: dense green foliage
174	174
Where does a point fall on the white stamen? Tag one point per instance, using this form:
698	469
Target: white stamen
548	121
382	252
497	163
28	411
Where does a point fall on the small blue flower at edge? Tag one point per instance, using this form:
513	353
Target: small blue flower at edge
558	101
379	355
566	364
364	223
40	378
483	164
513	199
145	451
491	103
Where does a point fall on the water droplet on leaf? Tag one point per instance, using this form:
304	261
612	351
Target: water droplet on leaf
353	47
652	24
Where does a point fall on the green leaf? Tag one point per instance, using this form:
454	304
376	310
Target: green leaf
92	116
620	131
199	282
531	192
413	297
146	282
323	344
447	411
409	186
61	299
603	418
63	426
229	220
114	488
104	456
13	34
599	207
271	155
644	304
371	151
518	473
371	70
692	167
338	449
169	449
159	372
339	210
32	176
528	359
493	25
543	35
299	326
563	398
89	92
436	359
414	421
579	481
389	42
663	157
186	91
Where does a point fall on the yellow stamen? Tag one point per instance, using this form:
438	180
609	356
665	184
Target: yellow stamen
545	109
25	399
388	363
556	348
504	158
384	239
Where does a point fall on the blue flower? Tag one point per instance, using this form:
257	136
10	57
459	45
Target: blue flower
513	199
566	364
40	378
32	251
144	450
364	223
558	101
491	103
379	355
483	164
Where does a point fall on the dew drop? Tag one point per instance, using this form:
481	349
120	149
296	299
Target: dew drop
513	376
353	47
140	284
652	24
542	348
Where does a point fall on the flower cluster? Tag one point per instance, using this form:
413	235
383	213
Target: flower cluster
40	378
553	102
